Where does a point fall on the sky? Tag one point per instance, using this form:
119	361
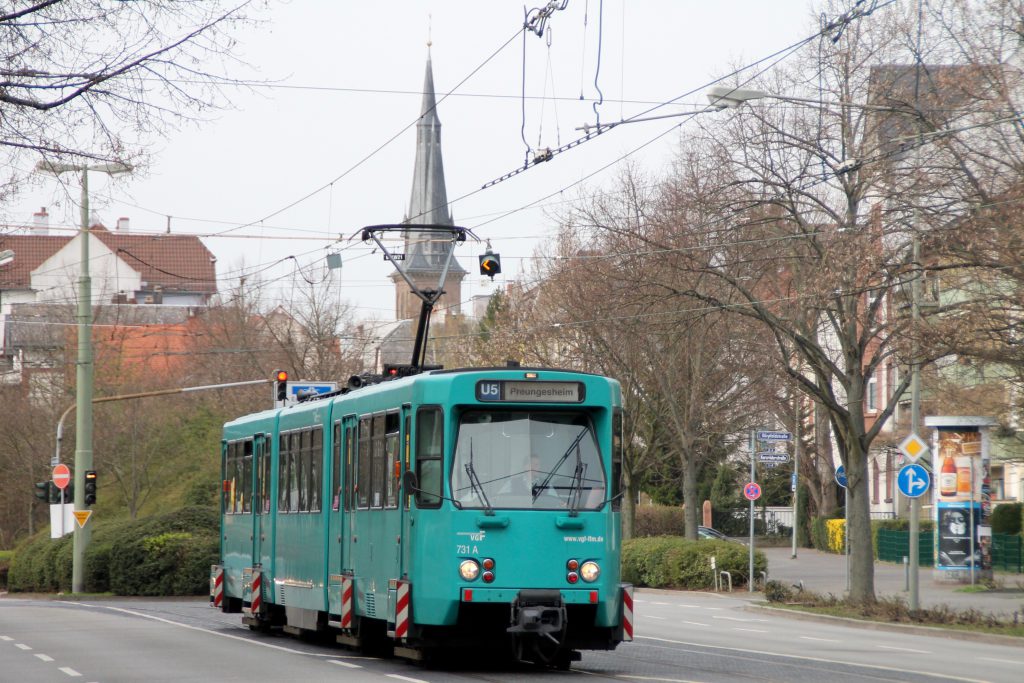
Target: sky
299	167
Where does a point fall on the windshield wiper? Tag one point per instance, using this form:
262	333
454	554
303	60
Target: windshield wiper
474	481
565	456
576	488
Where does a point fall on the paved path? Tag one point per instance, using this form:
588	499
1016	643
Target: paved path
826	573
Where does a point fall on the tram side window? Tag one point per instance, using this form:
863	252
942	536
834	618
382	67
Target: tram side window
304	457
265	476
378	474
365	465
429	453
349	453
245	484
336	468
295	471
617	452
391	444
229	478
316	458
282	473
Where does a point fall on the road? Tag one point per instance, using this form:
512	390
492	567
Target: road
681	637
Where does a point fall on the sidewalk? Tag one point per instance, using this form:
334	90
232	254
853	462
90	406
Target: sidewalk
826	573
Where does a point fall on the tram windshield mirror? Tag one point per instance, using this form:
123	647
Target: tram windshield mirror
527	460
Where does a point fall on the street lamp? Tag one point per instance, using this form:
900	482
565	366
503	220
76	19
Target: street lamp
84	373
727	97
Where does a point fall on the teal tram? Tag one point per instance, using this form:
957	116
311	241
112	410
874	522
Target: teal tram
448	509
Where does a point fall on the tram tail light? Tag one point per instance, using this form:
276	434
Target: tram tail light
488	563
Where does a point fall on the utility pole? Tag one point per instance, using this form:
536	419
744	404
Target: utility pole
83	394
84	366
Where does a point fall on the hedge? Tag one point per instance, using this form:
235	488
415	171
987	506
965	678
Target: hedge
1006	518
168	554
674	562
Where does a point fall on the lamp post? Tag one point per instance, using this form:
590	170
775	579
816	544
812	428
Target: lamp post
84	372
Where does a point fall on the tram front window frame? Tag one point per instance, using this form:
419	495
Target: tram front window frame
527	459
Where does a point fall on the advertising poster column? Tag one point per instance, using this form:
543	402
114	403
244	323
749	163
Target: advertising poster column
962	497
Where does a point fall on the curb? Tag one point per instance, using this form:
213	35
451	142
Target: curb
952	634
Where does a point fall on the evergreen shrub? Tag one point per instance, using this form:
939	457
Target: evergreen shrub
659	520
675	562
168	554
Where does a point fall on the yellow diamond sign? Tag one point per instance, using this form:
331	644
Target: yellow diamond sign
913	447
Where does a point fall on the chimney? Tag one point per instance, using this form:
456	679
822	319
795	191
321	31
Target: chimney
41	222
122	224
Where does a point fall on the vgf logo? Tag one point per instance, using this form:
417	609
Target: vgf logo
488	391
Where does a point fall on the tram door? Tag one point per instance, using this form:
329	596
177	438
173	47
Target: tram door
260	497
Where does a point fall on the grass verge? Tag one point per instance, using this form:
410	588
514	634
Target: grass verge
895	611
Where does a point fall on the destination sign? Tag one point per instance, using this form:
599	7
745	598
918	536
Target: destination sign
529	392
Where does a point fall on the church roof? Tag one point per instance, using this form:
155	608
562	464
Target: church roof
428	204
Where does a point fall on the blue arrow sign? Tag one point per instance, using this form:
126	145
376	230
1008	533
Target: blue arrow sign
913	480
841	476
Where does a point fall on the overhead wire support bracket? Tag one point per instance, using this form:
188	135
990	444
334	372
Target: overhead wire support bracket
537	18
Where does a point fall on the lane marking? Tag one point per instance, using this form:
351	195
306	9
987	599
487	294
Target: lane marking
661	680
350	665
280	648
821	640
663	604
22	646
45	658
1002	661
750	630
715	616
6	638
649	616
693	623
406	678
904	649
821	660
69	671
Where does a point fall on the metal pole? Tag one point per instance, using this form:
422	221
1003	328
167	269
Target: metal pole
846	532
971	522
750	580
796	475
83	395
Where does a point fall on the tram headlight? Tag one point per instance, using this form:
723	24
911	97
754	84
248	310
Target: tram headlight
469	570
589	571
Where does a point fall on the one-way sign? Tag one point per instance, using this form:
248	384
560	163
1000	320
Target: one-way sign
774	436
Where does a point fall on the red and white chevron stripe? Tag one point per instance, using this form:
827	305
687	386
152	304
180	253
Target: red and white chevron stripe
216	586
402	611
257	592
627	612
346	601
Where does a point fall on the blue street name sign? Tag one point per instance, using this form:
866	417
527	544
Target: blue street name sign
913	480
841	476
774	436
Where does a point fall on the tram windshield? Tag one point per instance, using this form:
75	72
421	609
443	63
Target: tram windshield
527	460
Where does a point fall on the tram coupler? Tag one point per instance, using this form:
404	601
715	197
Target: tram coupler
540	612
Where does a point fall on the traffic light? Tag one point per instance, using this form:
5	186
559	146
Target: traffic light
90	487
490	264
280	385
42	491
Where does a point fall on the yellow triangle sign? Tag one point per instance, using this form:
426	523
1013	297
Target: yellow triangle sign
82	516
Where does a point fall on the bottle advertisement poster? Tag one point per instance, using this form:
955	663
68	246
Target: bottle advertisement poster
963	500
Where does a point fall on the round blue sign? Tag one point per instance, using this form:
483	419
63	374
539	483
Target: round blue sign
913	480
841	476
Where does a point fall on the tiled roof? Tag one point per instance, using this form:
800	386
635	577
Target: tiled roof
174	262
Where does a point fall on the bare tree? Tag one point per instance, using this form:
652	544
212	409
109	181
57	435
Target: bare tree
94	79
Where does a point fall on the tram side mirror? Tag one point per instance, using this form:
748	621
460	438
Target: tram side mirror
410	482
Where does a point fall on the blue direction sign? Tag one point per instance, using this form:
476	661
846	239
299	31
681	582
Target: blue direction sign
298	390
841	476
913	480
774	436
